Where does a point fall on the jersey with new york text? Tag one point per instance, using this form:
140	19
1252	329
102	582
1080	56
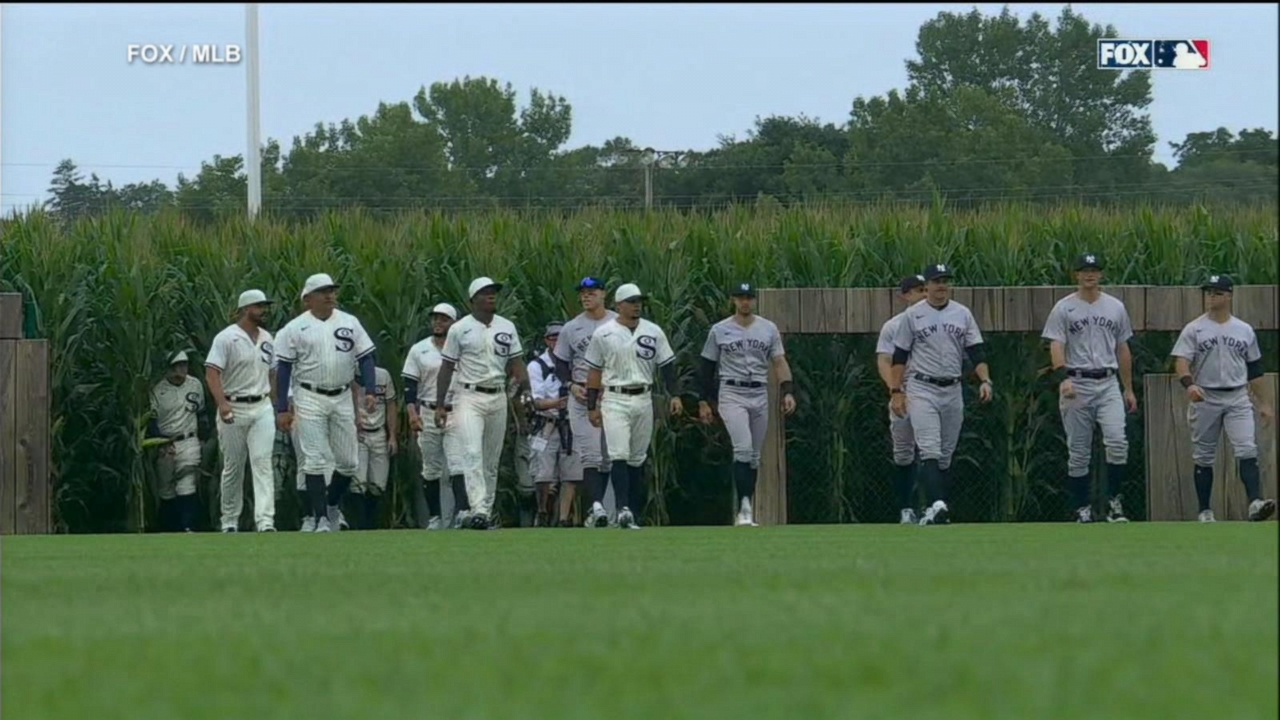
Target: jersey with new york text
575	335
743	353
1219	353
1089	332
937	337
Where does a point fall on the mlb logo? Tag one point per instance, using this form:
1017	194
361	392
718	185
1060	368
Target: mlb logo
1153	54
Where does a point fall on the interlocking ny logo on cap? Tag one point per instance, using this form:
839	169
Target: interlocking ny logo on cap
744	286
1213	278
1089	259
941	268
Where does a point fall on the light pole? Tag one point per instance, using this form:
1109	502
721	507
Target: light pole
253	157
649	158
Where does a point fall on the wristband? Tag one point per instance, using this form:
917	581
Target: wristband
787	387
1186	381
593	396
895	391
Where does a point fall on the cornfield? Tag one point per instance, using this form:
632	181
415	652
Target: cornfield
116	294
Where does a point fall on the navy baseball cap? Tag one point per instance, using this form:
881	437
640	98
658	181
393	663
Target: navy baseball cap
937	271
743	290
1088	261
1218	282
591	283
910	282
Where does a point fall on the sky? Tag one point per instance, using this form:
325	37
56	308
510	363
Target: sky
667	76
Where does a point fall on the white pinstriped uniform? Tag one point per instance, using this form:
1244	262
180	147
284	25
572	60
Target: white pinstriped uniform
374	449
324	354
423	364
176	408
245	364
625	359
481	354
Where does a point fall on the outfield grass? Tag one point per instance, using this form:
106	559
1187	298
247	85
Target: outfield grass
1029	622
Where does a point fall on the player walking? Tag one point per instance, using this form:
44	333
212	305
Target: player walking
177	407
912	291
325	346
623	356
421	369
552	460
1218	361
485	348
1088	333
238	373
739	352
377	441
571	368
935	335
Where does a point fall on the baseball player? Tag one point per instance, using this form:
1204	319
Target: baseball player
571	369
551	439
935	334
421	369
739	351
177	408
1218	361
377	443
623	356
484	347
238	373
911	290
304	500
325	345
1088	333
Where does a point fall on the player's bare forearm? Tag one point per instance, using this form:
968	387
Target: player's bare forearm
1057	354
1125	358
895	376
443	381
593	379
520	374
1181	367
984	372
783	369
884	364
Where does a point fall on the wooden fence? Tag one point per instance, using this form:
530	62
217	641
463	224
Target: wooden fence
25	489
842	311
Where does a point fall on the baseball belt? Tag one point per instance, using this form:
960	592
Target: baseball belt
246	398
744	384
322	391
1098	374
631	390
478	388
940	382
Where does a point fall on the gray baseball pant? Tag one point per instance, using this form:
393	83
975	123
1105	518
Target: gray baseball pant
1096	401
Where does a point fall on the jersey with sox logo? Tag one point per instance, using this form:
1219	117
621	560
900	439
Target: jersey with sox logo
481	352
627	357
245	363
176	406
324	352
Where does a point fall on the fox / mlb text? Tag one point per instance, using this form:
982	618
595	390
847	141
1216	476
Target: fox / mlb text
181	54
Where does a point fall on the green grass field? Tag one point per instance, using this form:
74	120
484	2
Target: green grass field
981	621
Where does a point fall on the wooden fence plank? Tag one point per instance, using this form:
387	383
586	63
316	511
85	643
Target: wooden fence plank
884	305
1164	309
771	483
963	295
1134	298
8	434
1017	310
1042	301
10	316
988	307
1256	305
787	312
1171	494
767	303
31	461
835	310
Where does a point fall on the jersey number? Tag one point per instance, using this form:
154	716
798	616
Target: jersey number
345	341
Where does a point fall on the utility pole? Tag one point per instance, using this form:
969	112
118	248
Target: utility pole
649	158
253	157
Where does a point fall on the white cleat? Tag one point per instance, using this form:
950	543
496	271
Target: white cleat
1115	511
746	517
626	520
322	525
461	519
935	514
309	524
1206	516
1261	509
598	517
1084	514
907	517
433	523
229	529
336	519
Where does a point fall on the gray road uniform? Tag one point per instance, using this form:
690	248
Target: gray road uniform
904	440
936	339
1090	334
743	356
1219	355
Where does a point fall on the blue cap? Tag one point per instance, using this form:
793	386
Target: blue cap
591	283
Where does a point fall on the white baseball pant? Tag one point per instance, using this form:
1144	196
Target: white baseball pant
437	463
251	437
327	428
477	443
628	427
374	463
176	471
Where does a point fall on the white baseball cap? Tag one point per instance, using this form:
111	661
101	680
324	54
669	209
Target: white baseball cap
252	297
179	358
630	291
446	310
481	283
317	282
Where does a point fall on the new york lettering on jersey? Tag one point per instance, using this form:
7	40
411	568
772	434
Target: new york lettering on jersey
481	352
575	336
1089	332
324	352
936	338
743	353
245	364
1219	353
627	358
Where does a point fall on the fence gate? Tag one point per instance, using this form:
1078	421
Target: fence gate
25	489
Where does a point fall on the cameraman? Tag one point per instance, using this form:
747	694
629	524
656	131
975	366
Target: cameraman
551	457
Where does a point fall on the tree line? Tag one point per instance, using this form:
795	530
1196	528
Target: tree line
995	109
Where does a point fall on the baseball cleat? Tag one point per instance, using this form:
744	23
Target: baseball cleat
907	517
322	525
626	520
1207	516
747	513
461	519
598	517
1084	514
433	523
229	529
478	522
336	518
309	524
266	528
1115	511
1261	509
935	514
